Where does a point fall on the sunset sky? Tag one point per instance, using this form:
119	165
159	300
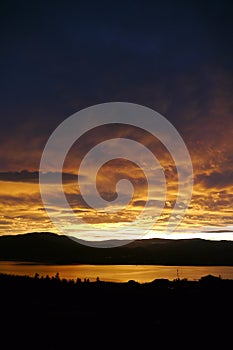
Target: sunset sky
174	57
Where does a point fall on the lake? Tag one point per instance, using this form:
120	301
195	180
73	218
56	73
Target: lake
116	273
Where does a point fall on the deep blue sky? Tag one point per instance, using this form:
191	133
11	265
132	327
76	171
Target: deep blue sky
58	57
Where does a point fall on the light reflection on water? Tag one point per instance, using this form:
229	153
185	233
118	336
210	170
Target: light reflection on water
117	273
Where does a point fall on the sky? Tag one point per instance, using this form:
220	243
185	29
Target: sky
174	57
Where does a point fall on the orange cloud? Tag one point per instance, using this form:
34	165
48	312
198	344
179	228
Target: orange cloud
206	125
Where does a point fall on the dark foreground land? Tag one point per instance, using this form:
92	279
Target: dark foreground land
50	313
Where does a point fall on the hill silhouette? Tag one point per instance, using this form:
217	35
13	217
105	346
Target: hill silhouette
59	249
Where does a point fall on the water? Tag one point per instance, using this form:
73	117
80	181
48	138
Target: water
117	273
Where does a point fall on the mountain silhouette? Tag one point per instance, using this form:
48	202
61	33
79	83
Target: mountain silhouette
45	247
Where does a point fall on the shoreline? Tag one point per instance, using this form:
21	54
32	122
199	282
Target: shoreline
117	273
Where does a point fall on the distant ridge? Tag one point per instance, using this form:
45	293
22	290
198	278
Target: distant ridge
50	248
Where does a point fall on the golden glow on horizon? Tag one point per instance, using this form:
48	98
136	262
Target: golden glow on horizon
23	210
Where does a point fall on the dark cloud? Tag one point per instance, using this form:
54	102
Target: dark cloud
218	231
4	222
23	200
139	203
215	179
33	177
22	176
